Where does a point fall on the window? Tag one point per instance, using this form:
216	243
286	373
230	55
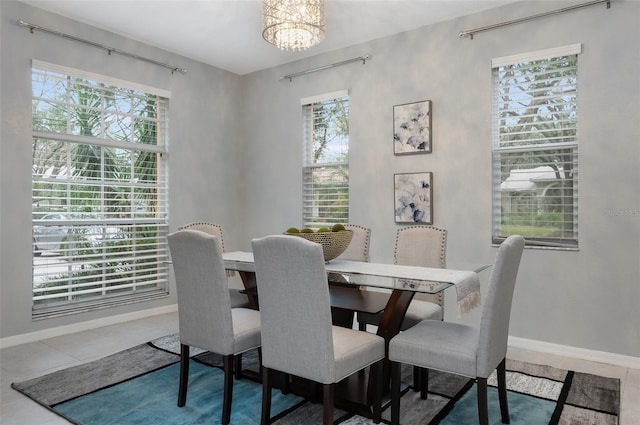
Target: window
99	183
535	147
326	160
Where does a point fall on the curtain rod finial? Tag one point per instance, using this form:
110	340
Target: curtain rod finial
21	22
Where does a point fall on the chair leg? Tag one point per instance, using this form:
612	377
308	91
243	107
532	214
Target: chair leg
184	375
502	391
420	381
424	383
259	361
395	392
266	397
483	412
237	366
376	372
228	389
316	392
328	395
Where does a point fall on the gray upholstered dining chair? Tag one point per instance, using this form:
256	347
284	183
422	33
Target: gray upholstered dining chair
358	249
298	337
424	246
237	299
206	319
461	349
418	246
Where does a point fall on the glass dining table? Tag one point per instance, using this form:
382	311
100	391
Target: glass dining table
369	287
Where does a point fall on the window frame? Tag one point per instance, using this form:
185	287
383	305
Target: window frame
510	148
112	248
312	192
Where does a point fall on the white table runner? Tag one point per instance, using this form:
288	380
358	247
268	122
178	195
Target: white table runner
467	283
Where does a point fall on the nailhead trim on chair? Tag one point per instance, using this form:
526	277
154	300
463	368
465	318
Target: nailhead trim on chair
202	223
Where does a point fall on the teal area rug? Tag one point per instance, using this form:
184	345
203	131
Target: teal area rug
118	405
540	400
523	409
537	395
140	385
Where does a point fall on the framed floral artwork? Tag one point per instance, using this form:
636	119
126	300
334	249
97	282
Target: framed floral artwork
412	128
413	194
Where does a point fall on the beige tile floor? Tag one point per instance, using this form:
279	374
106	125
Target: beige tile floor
34	359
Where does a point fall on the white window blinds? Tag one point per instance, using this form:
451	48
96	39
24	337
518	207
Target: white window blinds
326	160
535	147
99	183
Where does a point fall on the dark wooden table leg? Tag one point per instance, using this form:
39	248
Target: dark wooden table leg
249	282
389	327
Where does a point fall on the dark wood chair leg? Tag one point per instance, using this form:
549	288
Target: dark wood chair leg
237	366
424	383
483	412
420	381
266	397
328	396
502	391
184	375
395	392
362	327
228	389
260	361
316	392
376	372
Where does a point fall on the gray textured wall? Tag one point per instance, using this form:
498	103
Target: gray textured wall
236	155
584	299
205	143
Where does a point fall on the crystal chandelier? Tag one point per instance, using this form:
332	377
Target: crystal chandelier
293	24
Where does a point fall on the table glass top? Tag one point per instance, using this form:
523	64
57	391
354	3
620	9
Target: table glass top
378	275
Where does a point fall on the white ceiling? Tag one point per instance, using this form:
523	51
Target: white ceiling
227	33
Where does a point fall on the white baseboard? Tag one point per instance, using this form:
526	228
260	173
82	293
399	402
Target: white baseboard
515	342
84	326
575	352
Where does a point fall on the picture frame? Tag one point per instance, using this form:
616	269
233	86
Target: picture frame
413	197
412	128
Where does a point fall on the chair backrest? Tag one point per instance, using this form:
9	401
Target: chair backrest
358	249
204	306
421	246
496	313
295	310
424	246
209	228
